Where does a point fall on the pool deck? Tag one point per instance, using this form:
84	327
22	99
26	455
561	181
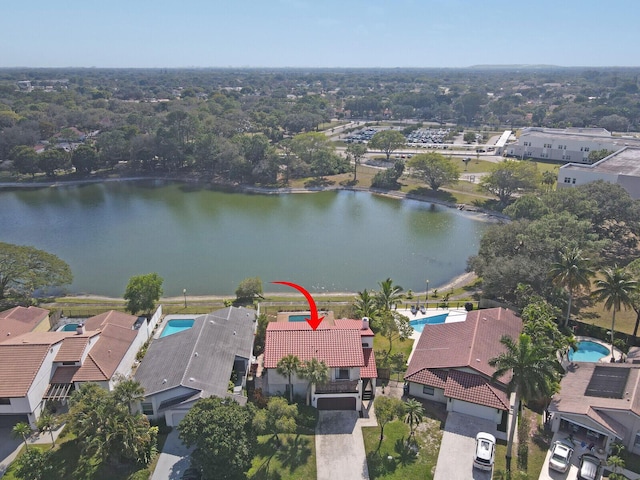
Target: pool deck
453	315
329	319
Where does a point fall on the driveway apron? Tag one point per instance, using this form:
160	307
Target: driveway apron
173	460
340	451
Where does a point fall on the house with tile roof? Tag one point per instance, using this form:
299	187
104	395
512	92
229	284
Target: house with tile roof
44	368
19	320
181	368
344	345
599	403
450	364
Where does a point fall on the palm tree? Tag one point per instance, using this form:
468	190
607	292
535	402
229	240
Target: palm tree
365	305
615	290
634	270
389	294
533	370
415	414
46	423
128	391
22	430
572	272
287	366
314	371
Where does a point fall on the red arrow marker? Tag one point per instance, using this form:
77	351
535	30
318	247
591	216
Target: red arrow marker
314	321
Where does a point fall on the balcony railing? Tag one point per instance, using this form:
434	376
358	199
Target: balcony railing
338	386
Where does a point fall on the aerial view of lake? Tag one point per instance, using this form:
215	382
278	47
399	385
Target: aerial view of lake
207	241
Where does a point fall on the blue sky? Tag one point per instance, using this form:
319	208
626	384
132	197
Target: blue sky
328	33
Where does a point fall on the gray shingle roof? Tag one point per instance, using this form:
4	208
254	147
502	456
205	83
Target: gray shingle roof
201	357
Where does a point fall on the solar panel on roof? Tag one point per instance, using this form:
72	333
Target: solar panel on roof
607	382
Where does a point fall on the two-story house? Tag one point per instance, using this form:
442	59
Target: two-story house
345	346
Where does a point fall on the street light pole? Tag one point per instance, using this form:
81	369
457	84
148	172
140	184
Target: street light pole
184	292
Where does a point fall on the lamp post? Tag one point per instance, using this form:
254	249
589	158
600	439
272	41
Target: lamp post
426	295
184	292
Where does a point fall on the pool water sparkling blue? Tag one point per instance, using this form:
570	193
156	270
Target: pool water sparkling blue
298	318
588	352
175	326
69	327
418	324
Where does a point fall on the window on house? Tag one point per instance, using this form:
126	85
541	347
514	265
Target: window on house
559	147
586	149
428	390
567	180
68	363
573	180
5	401
147	408
636	443
342	374
568	157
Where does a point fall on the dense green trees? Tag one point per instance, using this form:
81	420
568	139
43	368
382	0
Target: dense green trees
142	292
224	437
509	177
109	432
25	269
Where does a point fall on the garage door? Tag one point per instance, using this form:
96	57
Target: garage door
348	403
11	420
176	417
474	410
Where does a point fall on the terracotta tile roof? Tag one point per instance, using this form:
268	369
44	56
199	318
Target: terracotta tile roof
369	370
19	365
19	320
108	352
432	377
64	374
72	348
111	317
349	324
473	388
336	347
465	344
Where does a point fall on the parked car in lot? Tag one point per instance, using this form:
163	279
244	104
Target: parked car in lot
560	459
589	467
485	451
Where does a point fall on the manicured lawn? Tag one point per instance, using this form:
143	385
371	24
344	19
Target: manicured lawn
402	465
382	343
295	459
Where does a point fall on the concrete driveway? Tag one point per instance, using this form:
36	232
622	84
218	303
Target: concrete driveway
9	447
173	460
455	459
340	451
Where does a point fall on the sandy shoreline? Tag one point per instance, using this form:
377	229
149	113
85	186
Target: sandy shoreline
457	282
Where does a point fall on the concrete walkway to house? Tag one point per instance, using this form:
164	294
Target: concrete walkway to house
10	446
340	450
174	459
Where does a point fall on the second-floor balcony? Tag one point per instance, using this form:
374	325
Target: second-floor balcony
338	386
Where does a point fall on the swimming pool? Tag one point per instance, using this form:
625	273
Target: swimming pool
299	318
419	323
588	352
69	327
175	326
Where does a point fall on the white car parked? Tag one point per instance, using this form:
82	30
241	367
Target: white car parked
485	451
560	459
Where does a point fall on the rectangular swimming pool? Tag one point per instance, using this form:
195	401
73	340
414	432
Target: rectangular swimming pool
175	326
418	324
299	318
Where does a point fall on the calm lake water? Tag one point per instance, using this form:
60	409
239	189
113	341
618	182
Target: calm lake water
207	241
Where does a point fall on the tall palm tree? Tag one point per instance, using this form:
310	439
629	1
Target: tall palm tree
314	371
415	414
634	270
128	391
389	294
287	366
616	290
22	430
46	423
572	272
533	370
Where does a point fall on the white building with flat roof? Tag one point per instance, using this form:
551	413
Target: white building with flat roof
566	145
621	167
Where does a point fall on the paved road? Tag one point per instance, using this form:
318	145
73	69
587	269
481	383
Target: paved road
340	451
174	459
455	460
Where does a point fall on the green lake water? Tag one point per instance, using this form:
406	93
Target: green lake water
207	241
